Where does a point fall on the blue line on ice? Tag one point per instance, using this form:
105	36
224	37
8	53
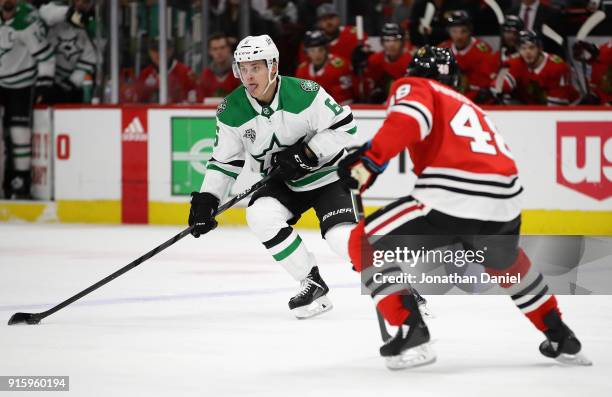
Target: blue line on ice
159	298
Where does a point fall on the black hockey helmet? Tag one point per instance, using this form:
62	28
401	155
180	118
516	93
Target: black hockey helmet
435	63
529	36
459	18
392	30
512	23
315	38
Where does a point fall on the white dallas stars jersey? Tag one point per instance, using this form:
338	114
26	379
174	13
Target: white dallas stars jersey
25	52
301	109
75	54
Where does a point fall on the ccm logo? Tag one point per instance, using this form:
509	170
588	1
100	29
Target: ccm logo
337	212
584	157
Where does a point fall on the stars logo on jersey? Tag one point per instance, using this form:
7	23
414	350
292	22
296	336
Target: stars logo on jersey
68	47
222	106
275	146
250	134
267	111
310	86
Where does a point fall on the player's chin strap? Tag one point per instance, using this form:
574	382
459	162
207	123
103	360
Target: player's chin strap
270	78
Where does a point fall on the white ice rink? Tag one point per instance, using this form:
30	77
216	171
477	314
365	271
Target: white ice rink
209	317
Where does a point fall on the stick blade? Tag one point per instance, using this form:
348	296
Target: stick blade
24	318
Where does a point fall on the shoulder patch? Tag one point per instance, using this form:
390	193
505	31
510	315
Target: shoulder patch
221	107
235	109
556	59
482	47
337	62
296	95
309	86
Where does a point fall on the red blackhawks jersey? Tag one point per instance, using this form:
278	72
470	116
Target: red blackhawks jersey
462	164
181	84
548	84
211	85
335	76
342	46
475	64
601	76
383	72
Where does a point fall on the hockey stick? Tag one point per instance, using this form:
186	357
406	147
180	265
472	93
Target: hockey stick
34	318
583	32
499	15
384	334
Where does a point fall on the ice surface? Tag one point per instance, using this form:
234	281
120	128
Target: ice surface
209	317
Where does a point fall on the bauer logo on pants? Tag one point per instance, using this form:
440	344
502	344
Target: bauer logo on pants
584	157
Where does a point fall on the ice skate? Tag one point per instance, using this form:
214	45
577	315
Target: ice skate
561	343
311	299
410	346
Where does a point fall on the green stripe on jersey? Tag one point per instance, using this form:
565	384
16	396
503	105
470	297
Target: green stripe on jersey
226	172
311	178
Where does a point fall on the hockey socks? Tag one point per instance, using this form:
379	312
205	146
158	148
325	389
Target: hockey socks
287	248
530	294
21	138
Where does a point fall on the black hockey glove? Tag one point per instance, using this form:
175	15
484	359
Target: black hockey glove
202	213
585	51
358	171
294	162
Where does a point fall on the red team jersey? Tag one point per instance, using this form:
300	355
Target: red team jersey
463	167
601	76
210	85
382	72
181	84
549	83
335	76
342	46
475	64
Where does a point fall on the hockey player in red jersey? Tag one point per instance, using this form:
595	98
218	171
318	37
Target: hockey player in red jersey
537	77
600	59
331	71
386	66
473	57
467	184
342	39
181	80
509	43
217	80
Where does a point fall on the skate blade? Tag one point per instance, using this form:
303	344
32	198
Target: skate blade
574	359
411	358
318	306
425	312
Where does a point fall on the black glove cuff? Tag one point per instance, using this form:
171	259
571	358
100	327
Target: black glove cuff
205	198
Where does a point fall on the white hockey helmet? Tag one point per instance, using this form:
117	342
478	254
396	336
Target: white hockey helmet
256	48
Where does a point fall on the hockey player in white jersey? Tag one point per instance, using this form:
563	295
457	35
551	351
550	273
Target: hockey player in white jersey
26	60
75	54
295	125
